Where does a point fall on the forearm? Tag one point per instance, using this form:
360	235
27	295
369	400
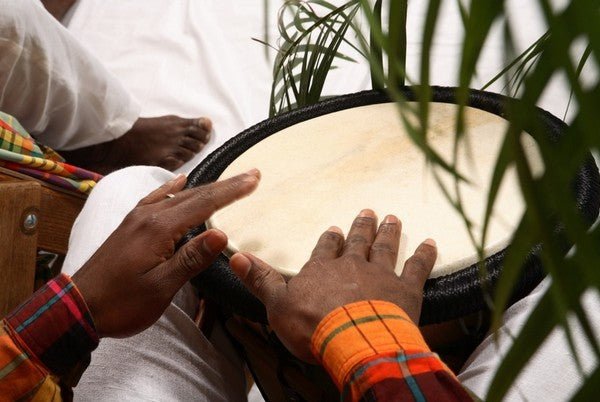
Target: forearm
44	340
373	351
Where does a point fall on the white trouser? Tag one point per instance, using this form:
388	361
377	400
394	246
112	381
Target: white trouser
171	360
552	373
57	89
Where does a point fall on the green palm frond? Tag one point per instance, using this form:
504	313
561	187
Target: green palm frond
311	33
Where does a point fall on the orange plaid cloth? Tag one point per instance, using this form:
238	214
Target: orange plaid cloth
20	152
374	352
45	338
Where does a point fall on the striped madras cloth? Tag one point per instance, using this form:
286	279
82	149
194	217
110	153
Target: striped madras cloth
45	339
374	352
19	152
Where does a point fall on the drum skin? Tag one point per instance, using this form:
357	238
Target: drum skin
446	297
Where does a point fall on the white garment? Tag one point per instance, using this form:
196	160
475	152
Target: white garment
197	57
171	360
552	373
192	58
58	90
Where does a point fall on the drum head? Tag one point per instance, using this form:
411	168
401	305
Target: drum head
323	171
321	165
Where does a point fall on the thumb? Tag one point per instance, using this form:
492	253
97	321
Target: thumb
258	276
194	257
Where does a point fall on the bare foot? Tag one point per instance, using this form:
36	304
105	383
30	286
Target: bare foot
167	141
58	8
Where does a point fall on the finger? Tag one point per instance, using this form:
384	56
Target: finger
258	277
418	267
192	207
330	244
191	259
384	250
361	234
171	187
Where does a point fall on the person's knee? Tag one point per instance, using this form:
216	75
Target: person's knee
130	184
111	200
138	176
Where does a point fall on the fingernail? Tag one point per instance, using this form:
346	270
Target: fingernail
430	242
240	264
390	219
335	229
366	213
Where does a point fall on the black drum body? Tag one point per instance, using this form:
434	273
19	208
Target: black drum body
445	298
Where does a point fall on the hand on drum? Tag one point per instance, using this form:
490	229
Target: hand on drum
129	282
340	271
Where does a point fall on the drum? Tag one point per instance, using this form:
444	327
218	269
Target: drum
321	164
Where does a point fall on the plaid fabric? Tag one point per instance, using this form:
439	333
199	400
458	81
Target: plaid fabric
47	336
19	152
374	352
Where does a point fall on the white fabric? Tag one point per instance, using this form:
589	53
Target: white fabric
552	373
170	361
178	57
59	91
190	57
197	57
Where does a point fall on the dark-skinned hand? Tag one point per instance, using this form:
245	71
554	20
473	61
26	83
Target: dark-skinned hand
340	271
130	281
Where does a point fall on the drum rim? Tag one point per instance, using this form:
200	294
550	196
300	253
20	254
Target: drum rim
445	297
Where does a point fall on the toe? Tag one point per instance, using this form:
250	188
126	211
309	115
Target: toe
204	123
184	154
171	163
199	129
192	144
202	136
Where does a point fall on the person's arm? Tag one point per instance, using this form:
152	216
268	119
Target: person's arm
373	351
349	311
120	291
45	339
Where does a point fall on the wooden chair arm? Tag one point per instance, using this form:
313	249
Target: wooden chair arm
33	215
